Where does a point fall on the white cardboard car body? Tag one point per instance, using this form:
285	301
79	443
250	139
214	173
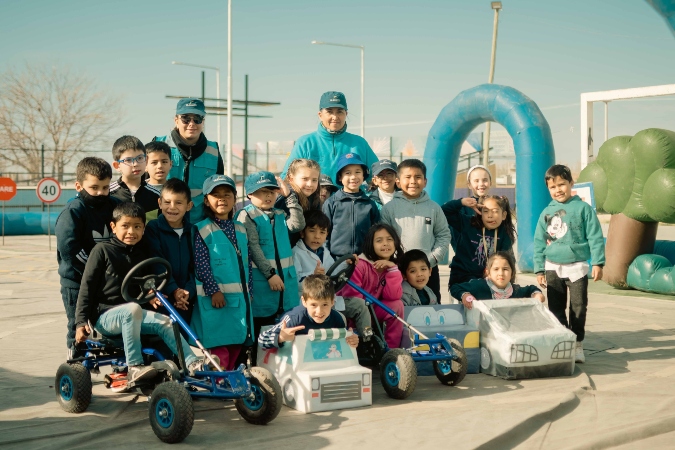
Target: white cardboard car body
521	338
319	371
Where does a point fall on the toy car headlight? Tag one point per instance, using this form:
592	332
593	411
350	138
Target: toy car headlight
315	384
366	379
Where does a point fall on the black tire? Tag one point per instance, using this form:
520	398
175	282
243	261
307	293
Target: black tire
452	372
265	404
370	353
398	373
171	412
73	387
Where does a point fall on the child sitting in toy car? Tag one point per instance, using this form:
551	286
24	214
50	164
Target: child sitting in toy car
315	312
500	274
100	300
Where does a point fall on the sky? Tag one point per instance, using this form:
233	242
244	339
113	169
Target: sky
419	56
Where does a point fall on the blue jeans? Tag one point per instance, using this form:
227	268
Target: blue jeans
131	321
69	297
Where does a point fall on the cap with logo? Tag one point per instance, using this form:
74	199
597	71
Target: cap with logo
190	106
333	99
324	180
383	164
260	180
348	160
214	181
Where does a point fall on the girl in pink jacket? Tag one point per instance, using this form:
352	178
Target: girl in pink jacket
377	273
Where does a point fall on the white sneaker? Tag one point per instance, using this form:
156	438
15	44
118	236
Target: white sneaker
201	364
138	373
579	356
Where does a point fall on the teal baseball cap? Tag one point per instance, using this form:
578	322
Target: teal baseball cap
333	99
214	181
190	106
259	180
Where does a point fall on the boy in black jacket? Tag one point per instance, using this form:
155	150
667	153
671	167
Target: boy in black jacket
83	223
100	301
170	237
130	160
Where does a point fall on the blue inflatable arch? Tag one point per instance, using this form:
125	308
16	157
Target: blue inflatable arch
532	142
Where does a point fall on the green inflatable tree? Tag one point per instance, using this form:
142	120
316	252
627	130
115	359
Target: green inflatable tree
634	180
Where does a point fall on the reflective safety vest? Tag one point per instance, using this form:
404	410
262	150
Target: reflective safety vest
276	246
232	324
194	173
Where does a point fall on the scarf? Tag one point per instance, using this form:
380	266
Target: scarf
497	293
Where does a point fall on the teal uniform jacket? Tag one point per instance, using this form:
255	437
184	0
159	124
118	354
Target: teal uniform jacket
276	245
233	323
326	148
194	172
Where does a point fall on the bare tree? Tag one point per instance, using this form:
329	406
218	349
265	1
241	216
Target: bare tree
54	106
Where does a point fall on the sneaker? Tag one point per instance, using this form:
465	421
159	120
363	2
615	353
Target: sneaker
579	356
201	364
366	334
138	373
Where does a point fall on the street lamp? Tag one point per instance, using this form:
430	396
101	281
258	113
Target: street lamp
497	6
363	108
217	91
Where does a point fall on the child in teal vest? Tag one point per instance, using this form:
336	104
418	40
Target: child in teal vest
222	317
274	277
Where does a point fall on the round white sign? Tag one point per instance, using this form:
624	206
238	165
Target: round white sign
48	190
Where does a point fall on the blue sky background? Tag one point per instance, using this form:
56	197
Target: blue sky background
419	55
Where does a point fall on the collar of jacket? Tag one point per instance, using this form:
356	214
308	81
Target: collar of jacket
343	196
330	134
189	152
164	225
124	185
421	199
573	198
117	243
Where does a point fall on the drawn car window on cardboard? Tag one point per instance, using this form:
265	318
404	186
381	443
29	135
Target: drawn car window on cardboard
326	351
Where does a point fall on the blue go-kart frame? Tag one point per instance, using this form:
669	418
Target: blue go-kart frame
256	392
398	371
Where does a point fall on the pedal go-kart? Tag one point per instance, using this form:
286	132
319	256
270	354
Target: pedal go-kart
398	371
256	393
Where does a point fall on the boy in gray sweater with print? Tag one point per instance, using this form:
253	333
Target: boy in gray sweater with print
568	234
417	219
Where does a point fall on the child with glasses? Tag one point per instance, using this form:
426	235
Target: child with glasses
193	157
129	158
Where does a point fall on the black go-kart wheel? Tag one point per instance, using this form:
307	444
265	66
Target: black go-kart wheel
171	412
452	372
370	352
146	285
266	398
73	387
398	373
340	278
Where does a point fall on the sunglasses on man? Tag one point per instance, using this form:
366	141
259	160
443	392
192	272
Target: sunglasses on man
196	119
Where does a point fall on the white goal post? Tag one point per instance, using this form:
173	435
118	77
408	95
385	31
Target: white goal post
587	100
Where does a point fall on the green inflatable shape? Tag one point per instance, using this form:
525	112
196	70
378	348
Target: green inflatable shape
651	273
635	176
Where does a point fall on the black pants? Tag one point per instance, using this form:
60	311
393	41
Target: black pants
434	283
258	323
557	301
69	297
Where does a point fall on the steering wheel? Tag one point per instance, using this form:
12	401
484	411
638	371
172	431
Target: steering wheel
145	283
340	278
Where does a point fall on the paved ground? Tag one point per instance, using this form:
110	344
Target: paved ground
623	397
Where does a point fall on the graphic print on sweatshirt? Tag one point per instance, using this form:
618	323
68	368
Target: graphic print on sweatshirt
479	256
555	227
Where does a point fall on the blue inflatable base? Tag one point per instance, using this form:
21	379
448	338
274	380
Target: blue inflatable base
29	223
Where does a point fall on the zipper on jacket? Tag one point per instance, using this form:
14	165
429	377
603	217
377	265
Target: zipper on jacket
244	285
186	169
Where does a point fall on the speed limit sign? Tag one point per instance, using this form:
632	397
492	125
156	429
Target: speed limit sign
48	190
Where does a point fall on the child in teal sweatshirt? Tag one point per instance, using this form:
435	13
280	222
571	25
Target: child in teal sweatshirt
568	234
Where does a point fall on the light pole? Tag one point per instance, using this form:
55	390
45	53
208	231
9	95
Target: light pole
228	163
497	6
363	108
177	63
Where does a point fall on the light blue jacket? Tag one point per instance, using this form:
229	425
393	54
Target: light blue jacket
276	246
194	173
233	323
326	148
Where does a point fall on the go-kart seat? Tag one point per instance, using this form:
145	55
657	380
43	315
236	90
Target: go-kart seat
147	341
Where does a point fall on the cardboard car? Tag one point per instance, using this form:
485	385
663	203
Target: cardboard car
319	371
449	321
521	338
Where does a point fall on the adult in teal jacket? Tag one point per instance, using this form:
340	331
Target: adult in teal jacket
193	157
331	140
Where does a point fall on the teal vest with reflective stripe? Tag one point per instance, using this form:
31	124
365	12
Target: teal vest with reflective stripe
233	323
266	302
199	170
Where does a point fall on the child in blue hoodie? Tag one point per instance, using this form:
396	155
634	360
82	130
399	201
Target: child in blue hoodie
350	210
568	234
